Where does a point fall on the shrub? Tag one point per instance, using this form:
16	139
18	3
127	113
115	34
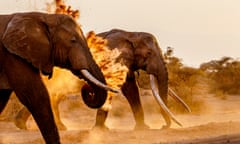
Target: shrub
224	75
184	81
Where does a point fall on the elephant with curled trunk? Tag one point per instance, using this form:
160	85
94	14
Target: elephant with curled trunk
140	50
33	43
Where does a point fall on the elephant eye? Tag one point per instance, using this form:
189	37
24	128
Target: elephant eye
73	40
149	53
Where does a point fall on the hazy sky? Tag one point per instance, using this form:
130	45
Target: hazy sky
198	30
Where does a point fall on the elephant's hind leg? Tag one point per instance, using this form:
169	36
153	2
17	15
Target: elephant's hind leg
4	97
55	101
21	118
130	91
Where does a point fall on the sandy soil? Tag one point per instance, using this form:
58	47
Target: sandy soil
218	123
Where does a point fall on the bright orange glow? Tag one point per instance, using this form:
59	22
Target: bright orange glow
114	72
62	8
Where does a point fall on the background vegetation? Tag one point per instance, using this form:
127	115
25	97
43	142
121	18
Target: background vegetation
224	75
218	77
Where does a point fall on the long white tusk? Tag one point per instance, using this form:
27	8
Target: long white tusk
178	99
90	77
159	99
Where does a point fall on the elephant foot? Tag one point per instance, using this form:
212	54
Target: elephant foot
141	127
164	127
21	124
101	127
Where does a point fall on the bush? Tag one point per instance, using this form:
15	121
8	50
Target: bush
184	81
224	75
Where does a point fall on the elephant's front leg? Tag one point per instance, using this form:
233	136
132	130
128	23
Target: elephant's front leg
130	91
101	119
102	114
38	104
30	90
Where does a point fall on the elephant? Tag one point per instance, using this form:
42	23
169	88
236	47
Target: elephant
140	50
31	44
134	47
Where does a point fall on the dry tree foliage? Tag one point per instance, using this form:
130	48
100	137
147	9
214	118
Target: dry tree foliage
114	72
61	8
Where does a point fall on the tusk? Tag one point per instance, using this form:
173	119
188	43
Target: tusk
178	99
91	78
159	99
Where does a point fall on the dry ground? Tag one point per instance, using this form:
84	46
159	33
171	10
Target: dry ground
218	123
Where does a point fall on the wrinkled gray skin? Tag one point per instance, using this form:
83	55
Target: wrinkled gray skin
140	50
33	43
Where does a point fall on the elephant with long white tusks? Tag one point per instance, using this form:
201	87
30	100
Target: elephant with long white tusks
140	50
33	43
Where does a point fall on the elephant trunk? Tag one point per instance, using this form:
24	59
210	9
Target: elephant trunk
94	93
162	81
159	85
156	91
159	72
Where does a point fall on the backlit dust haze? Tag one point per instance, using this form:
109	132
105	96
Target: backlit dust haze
199	31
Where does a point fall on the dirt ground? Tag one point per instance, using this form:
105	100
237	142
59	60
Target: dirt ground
218	123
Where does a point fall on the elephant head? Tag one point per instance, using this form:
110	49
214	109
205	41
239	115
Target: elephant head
148	56
47	40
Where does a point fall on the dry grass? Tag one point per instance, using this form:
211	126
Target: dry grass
220	94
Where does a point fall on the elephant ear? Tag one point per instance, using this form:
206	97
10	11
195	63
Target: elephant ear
28	38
